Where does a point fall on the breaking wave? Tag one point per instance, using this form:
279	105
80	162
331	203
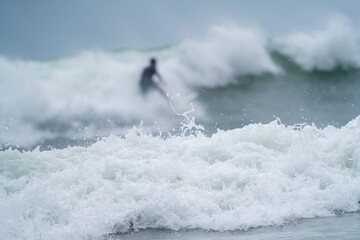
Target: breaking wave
336	46
47	99
259	175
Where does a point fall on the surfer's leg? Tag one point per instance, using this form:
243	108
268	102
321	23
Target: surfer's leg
161	91
144	87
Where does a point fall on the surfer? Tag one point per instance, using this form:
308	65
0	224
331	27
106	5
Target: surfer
147	82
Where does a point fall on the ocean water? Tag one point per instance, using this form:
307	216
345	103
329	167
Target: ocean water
341	227
270	148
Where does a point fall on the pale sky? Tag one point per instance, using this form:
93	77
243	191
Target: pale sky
41	29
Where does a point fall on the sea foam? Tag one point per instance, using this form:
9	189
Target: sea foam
259	175
337	45
37	95
54	98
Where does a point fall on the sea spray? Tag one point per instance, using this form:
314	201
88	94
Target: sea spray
337	45
57	99
259	175
187	123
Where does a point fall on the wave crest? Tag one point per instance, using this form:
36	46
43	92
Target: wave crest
225	52
335	46
99	84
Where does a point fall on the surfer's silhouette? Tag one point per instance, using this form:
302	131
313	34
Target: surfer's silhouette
147	82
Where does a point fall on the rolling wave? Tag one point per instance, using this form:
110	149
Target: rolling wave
48	99
336	46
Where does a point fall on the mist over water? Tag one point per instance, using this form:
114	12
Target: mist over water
273	136
239	74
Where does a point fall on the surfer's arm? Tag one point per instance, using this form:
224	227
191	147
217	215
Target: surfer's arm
160	78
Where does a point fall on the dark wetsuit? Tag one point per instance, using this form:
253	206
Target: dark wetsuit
147	83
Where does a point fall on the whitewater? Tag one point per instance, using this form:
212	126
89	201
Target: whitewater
95	93
259	175
273	138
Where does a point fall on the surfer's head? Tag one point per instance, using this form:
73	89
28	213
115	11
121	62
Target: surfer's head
153	62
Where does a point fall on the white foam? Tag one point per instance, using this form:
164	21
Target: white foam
260	175
90	84
337	45
224	53
97	83
106	83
